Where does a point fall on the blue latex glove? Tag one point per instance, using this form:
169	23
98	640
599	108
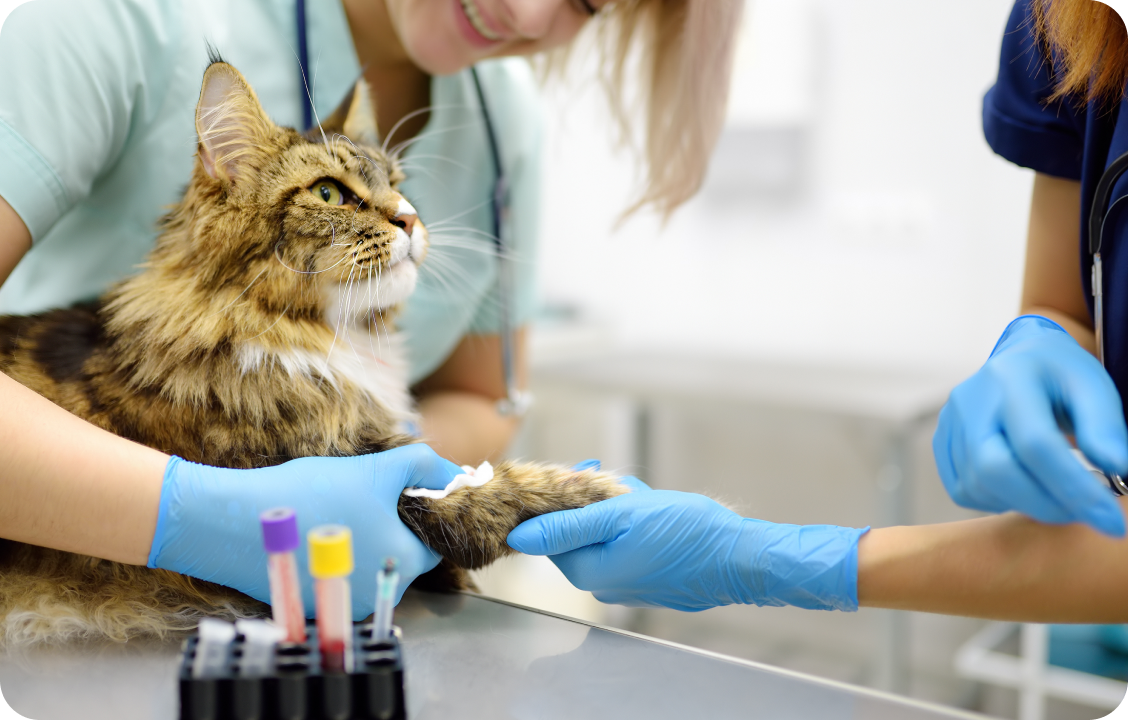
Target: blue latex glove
684	551
208	523
1000	444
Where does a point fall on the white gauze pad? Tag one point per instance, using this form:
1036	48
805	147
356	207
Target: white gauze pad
469	477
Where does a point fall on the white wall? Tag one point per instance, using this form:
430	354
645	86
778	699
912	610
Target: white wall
903	244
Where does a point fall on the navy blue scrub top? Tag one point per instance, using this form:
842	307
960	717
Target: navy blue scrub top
1068	139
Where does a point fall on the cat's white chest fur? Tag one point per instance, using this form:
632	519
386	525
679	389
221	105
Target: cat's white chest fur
373	363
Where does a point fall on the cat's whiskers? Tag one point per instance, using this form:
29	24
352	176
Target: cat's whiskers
342	312
457	164
332	243
447	220
309	95
273	324
416	113
359	154
398	148
453	236
369	271
428	173
439	264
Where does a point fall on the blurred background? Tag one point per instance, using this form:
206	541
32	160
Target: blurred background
784	341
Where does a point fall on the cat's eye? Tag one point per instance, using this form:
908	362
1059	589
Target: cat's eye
327	192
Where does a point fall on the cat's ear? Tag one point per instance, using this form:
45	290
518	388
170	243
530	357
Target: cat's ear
231	125
355	117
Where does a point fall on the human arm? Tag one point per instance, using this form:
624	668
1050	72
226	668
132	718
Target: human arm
1005	567
1001	442
1051	284
458	401
684	551
62	475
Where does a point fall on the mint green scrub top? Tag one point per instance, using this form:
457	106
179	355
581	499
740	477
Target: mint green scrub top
97	138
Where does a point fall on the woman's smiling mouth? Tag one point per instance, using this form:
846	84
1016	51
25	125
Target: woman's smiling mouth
475	17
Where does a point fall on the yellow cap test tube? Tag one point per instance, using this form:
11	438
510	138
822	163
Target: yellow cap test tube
331	563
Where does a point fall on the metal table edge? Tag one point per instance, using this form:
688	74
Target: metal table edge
836	684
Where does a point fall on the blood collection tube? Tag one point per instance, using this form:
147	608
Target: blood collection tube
280	536
211	649
259	639
386	581
331	563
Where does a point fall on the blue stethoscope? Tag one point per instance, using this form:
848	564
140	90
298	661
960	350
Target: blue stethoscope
516	402
1098	216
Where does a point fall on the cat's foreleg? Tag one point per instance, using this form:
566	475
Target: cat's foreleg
469	526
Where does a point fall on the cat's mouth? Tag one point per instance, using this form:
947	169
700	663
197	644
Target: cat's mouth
359	298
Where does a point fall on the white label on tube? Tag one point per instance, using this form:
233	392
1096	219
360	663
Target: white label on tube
211	650
259	639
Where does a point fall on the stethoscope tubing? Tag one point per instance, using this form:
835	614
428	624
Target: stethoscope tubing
1098	217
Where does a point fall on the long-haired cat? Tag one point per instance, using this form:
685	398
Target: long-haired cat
258	331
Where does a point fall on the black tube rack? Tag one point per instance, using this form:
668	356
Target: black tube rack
296	687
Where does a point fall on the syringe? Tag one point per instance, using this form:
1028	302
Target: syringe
280	536
386	581
331	563
211	648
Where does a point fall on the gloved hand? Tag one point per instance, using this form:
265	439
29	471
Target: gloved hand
208	523
1000	444
684	551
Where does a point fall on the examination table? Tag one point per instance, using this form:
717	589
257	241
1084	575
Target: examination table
470	657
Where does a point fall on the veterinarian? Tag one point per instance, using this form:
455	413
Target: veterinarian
1058	107
96	138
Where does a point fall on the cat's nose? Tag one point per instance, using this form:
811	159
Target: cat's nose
406	217
407	222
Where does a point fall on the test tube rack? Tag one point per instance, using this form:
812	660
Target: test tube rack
296	688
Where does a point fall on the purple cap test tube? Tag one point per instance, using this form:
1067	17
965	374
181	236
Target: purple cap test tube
280	537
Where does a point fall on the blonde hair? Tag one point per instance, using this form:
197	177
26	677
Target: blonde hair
683	50
1090	44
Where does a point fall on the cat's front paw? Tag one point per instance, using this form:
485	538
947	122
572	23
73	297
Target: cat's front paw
469	524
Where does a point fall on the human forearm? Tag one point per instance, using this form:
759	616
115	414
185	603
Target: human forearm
1005	567
459	400
1080	331
1051	284
69	485
464	427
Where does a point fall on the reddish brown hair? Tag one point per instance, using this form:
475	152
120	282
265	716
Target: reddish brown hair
1090	43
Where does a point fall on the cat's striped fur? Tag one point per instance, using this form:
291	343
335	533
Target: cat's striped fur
258	331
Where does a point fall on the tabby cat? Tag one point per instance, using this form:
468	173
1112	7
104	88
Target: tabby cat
258	331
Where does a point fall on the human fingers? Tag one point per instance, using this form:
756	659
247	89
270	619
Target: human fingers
583	568
567	530
1031	428
1001	483
1093	406
970	416
415	465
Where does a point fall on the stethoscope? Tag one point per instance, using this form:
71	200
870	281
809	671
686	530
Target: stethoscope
516	402
1098	215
